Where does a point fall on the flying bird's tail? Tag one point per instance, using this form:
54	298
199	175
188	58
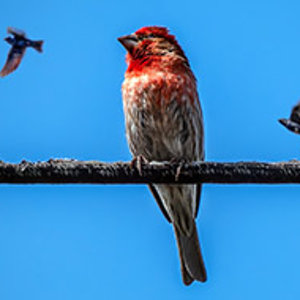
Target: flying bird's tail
37	45
191	261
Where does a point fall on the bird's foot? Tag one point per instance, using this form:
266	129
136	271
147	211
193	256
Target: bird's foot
138	162
181	162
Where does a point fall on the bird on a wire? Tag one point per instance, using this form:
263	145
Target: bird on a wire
19	43
293	123
163	120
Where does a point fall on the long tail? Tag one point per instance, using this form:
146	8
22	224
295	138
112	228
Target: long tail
191	261
37	45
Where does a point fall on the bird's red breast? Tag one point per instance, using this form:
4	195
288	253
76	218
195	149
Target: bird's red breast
163	87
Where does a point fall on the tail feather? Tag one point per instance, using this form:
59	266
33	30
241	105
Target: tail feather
186	278
191	261
37	45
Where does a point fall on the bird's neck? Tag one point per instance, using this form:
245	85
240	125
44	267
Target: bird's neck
156	63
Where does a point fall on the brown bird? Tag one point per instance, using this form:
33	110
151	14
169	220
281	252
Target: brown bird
164	123
19	44
293	123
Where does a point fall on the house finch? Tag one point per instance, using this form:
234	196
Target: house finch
293	123
19	44
164	123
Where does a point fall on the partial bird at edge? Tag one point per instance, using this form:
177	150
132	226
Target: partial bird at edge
293	123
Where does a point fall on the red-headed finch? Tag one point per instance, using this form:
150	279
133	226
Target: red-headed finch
164	123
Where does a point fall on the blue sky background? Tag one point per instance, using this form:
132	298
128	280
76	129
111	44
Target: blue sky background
111	242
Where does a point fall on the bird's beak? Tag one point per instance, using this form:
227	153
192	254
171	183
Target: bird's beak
129	42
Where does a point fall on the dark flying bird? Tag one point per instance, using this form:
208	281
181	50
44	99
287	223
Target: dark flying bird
293	123
19	44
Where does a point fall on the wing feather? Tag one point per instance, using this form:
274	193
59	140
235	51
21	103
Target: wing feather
16	32
159	202
13	61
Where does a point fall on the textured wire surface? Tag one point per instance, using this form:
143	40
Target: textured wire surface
60	171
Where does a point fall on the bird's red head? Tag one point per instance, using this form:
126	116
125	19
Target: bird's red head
152	46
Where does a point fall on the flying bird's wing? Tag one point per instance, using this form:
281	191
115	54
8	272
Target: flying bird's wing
14	58
290	125
16	32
